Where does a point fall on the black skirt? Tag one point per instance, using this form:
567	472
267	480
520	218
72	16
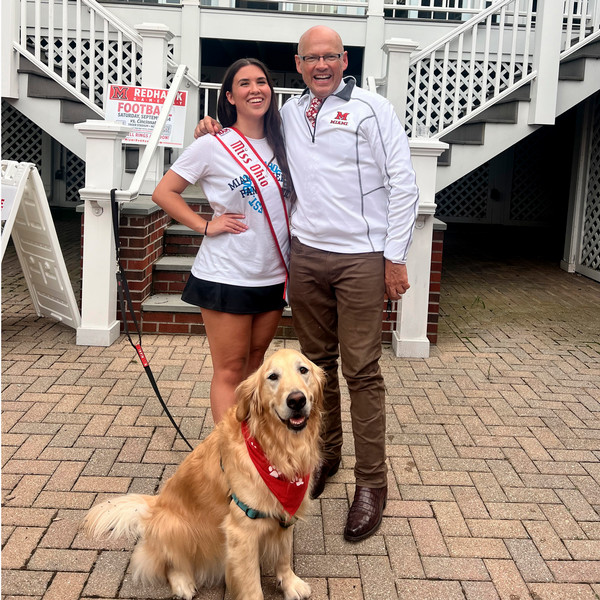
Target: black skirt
235	299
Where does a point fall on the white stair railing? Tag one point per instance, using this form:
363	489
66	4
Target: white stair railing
484	60
82	46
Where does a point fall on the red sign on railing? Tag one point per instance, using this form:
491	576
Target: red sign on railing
139	107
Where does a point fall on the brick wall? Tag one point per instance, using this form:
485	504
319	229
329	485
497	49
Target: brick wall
169	322
435	285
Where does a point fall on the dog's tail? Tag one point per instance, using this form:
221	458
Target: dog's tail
123	516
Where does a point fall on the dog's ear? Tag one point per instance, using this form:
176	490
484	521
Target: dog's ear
246	393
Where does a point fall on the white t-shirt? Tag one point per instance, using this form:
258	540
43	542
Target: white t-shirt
249	258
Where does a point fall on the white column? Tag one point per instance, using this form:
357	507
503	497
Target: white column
104	168
546	61
374	38
9	33
410	337
577	194
190	56
398	59
154	70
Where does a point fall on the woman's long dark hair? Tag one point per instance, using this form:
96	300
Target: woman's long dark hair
227	114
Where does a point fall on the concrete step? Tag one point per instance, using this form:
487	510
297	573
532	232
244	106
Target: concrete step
181	240
174	303
168	313
168	303
171	273
174	263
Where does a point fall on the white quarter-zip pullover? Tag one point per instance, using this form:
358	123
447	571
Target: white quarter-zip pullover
356	195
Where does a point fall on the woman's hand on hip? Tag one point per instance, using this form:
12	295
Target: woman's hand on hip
226	223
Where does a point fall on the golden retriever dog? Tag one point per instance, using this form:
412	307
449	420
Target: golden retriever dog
200	527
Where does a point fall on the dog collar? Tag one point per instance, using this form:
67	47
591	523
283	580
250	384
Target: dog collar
252	513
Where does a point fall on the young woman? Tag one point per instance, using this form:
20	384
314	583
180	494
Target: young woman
239	274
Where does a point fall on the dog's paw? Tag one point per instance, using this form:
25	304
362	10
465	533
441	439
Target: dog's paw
294	588
182	586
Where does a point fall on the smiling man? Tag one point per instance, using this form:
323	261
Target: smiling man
351	228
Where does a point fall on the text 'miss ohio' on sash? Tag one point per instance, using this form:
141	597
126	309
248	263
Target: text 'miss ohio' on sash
267	188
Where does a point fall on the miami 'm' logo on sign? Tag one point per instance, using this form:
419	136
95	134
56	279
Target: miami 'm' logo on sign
119	93
340	119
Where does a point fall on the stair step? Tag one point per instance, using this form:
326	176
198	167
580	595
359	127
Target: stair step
184	230
181	240
522	94
26	66
507	112
174	303
469	134
75	112
168	313
573	70
40	86
168	303
174	263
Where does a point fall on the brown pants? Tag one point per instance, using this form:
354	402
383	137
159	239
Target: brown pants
336	302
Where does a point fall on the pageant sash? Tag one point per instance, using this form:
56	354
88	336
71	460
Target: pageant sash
267	188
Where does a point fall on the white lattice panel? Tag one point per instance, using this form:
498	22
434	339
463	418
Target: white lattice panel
590	245
75	170
466	200
21	138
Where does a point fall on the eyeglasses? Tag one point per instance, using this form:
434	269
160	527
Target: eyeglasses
311	59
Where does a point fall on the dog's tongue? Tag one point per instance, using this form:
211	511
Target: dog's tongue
297	420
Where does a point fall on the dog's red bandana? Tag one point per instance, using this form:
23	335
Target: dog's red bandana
289	493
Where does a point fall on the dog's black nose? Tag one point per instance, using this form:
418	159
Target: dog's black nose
296	401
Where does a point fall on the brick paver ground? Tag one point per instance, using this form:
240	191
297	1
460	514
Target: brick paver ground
493	442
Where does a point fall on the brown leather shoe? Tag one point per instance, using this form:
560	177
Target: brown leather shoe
365	513
327	468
